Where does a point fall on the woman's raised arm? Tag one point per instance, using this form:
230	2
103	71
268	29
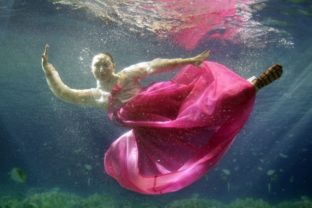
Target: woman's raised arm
83	97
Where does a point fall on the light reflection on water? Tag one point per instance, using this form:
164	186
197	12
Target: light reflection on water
188	22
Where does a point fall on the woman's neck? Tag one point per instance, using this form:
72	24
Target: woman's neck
108	83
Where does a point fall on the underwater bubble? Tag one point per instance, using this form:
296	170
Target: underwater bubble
270	172
84	57
283	155
226	171
88	167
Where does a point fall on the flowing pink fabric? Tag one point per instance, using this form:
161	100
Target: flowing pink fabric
210	19
179	128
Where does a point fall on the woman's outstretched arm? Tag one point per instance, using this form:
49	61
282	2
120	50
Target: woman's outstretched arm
62	91
142	70
159	65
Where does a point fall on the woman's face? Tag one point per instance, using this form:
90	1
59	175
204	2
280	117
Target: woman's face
102	66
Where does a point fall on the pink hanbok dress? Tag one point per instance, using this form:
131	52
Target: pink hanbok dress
180	128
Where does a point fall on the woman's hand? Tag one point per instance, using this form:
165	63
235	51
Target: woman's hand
46	66
197	60
45	57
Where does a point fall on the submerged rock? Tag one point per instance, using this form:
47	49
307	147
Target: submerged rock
18	175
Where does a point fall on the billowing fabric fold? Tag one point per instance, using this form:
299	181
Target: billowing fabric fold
179	128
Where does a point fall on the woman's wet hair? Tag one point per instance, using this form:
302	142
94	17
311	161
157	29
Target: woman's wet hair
109	55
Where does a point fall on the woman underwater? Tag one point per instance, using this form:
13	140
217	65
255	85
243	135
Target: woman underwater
179	128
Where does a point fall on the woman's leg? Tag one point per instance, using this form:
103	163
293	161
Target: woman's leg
272	73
